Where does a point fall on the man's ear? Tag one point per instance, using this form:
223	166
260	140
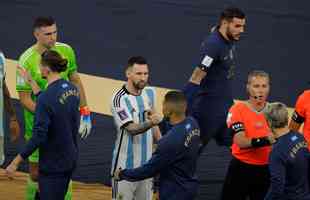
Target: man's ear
36	33
127	73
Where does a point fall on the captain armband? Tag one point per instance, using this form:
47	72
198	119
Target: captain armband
237	127
297	118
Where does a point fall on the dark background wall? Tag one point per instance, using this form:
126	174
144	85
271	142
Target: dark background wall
105	33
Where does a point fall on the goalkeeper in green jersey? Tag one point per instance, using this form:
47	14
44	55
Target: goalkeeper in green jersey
45	32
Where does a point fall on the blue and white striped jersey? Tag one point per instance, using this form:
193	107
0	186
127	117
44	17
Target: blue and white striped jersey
131	151
2	75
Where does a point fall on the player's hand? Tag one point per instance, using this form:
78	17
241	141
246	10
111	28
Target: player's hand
24	74
11	169
117	174
155	118
14	129
28	79
152	116
156	196
85	122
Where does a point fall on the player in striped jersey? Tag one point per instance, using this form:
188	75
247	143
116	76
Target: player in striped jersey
45	32
5	102
136	123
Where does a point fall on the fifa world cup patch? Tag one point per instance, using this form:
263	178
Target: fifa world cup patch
122	114
207	61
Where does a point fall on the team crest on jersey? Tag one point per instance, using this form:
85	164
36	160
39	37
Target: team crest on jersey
65	85
122	114
188	126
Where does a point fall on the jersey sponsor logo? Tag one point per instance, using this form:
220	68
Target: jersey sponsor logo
207	61
122	114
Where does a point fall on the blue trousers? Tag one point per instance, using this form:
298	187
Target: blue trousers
54	186
211	114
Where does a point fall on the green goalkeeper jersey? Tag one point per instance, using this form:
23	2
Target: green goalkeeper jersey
30	60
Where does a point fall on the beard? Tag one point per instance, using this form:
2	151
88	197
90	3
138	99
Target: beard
231	37
139	85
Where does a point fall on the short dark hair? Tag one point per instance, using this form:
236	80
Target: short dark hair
175	97
54	61
230	13
178	101
136	60
42	22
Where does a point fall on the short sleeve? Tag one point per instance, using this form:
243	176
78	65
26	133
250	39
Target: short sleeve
209	53
300	111
151	95
234	119
120	111
72	66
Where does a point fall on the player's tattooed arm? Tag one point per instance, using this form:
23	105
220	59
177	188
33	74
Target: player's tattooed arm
136	129
197	75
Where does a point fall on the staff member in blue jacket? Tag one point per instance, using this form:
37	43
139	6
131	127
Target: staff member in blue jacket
289	166
55	130
176	155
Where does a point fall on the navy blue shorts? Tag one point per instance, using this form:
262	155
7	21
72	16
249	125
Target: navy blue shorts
211	115
54	186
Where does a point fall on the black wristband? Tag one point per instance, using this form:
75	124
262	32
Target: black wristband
260	142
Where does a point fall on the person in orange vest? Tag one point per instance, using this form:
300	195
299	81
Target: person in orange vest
248	175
